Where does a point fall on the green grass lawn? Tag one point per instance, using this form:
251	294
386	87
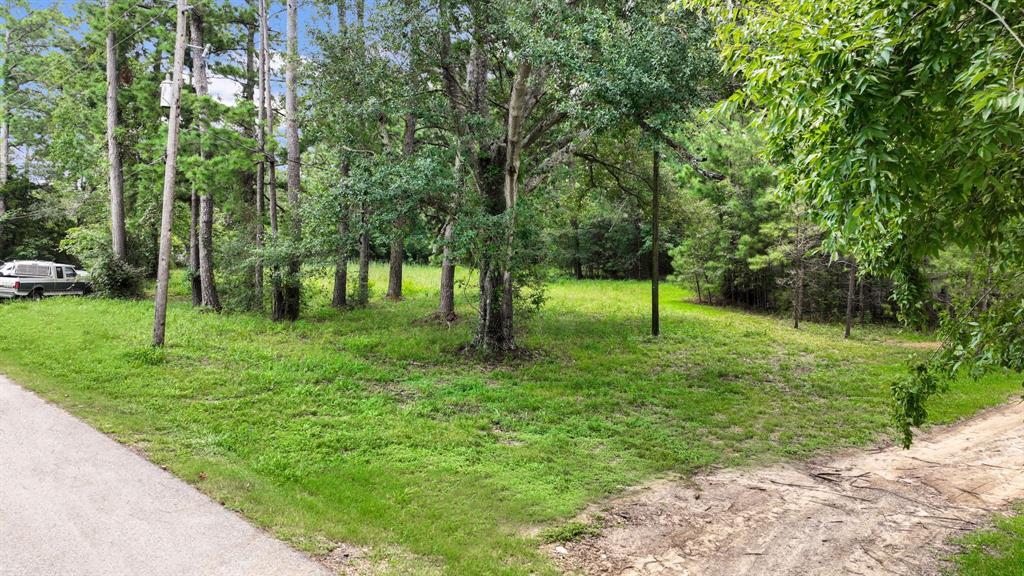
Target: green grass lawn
370	427
998	551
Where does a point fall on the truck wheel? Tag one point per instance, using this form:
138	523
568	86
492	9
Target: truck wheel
36	294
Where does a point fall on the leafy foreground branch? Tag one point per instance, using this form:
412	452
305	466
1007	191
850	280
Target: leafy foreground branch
899	125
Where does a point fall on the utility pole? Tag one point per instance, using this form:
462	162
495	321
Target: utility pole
655	216
115	175
170	172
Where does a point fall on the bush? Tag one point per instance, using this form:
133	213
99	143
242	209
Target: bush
114	278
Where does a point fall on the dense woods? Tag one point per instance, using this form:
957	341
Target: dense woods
847	181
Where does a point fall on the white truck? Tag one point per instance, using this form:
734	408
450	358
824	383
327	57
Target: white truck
36	279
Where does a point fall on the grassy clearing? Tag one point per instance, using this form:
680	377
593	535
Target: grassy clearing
998	551
368	427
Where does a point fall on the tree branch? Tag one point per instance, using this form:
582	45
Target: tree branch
561	154
681	151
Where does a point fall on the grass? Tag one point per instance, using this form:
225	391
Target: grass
369	427
998	551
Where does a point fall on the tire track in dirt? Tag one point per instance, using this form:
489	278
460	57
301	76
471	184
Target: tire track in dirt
884	512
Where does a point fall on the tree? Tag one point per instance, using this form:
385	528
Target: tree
898	124
30	49
655	244
205	238
289	308
563	72
116	175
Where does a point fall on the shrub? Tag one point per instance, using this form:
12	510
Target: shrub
114	278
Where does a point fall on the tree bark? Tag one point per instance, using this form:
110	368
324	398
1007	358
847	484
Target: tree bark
340	297
395	263
513	155
363	291
446	309
850	290
655	216
293	280
5	130
115	175
860	302
195	280
4	155
798	296
200	81
261	138
170	173
577	260
397	254
277	291
210	297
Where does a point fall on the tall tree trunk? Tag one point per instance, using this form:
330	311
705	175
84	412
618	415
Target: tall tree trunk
342	16
513	155
696	277
293	282
115	176
277	291
261	138
195	279
577	259
5	133
340	297
201	83
363	290
850	290
276	287
210	297
397	255
395	263
251	177
170	173
446	305
860	302
798	295
4	155
446	309
638	246
655	216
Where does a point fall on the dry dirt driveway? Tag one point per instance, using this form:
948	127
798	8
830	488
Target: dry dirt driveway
884	512
75	502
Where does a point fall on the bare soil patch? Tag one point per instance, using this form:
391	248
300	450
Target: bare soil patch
885	512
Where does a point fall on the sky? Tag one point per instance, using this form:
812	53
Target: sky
224	89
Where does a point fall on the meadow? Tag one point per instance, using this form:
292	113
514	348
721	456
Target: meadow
373	427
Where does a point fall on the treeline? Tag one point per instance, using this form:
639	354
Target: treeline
503	137
450	131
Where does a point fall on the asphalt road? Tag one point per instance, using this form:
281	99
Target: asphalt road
75	502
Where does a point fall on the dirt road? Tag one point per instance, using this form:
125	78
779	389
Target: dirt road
887	512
